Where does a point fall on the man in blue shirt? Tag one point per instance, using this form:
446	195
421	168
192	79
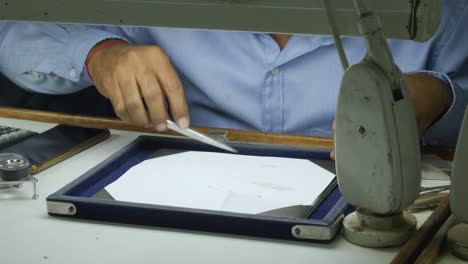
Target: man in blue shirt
269	82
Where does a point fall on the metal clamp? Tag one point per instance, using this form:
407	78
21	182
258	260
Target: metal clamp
61	208
316	232
218	134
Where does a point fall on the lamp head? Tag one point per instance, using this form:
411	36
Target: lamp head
401	19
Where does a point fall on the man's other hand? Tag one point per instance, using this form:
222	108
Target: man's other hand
431	99
332	153
138	80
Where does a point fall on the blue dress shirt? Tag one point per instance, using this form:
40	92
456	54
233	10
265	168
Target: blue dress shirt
243	80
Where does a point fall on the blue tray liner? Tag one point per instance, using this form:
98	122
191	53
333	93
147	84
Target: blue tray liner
145	146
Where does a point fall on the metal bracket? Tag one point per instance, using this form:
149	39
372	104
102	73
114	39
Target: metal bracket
19	184
219	134
61	208
317	232
413	19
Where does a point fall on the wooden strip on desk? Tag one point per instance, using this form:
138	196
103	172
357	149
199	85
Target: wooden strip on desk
233	135
433	250
113	123
423	236
446	154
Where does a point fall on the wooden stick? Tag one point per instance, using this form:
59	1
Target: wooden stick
233	135
432	251
113	123
423	236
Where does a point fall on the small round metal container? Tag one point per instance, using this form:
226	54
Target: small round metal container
13	167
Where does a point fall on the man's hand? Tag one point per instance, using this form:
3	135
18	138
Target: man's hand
332	153
431	99
138	80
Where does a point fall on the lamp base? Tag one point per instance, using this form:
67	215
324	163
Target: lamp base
366	229
457	241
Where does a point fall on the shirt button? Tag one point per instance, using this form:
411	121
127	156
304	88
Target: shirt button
275	71
72	73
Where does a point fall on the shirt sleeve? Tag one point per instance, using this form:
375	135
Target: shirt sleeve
48	58
450	65
445	131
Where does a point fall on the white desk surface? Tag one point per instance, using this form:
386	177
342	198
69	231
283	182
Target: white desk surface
29	235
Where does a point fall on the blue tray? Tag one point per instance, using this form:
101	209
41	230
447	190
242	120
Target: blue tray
79	198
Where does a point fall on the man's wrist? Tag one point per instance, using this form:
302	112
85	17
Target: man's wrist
98	48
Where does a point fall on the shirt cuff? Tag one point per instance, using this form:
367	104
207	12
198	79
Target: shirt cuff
444	132
77	47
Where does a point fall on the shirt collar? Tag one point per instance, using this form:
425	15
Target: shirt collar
299	45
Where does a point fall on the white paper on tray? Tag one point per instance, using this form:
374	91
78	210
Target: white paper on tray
223	182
